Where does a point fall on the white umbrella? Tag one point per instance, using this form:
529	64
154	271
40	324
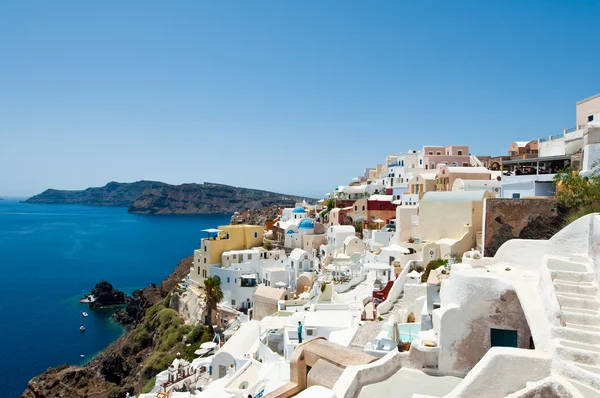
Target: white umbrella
281	284
378	266
396	248
209	345
379	221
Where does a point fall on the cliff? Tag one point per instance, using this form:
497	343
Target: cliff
150	197
255	217
128	363
107	296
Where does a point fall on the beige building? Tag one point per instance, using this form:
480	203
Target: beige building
226	238
586	109
446	175
422	183
265	300
451	219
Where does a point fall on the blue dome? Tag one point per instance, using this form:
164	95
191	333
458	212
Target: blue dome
306	224
299	210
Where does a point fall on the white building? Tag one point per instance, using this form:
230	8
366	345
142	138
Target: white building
336	234
524	186
491	186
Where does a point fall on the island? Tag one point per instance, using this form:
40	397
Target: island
152	197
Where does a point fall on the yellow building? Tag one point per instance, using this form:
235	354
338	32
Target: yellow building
228	237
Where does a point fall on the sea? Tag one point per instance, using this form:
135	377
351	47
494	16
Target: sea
51	255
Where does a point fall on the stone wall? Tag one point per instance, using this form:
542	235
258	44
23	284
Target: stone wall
526	218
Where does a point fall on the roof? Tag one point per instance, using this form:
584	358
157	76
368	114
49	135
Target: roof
272	293
306	223
296	254
382	198
342	228
244	340
478	183
354	189
349	239
521	144
468	170
453	196
299	210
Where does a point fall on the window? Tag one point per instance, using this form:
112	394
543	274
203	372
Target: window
503	338
205	247
235	281
431	153
249	256
465	164
204	260
459	153
228	280
355	208
255	235
438	153
454	164
590	118
363	208
234	256
232	302
420	161
432	165
198	270
380	206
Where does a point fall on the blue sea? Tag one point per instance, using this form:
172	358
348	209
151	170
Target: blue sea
50	255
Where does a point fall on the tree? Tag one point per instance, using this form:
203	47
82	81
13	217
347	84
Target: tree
214	295
580	195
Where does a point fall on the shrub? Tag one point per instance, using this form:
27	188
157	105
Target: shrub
323	286
417	268
432	265
158	361
268	245
149	385
142	337
206	336
196	334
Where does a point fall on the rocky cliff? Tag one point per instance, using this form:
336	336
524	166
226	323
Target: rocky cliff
151	197
125	365
255	217
106	295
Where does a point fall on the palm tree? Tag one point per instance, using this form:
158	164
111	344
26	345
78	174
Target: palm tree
214	295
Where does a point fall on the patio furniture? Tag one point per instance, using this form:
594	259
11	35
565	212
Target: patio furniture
383	293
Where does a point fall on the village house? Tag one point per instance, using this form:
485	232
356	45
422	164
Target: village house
446	175
453	156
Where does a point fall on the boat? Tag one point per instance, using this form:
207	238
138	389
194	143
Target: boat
84	313
82	328
82	356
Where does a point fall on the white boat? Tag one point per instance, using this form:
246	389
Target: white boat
82	356
84	313
82	328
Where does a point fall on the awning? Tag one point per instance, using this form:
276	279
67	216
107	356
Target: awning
212	230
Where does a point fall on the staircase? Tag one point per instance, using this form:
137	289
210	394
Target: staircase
396	307
577	343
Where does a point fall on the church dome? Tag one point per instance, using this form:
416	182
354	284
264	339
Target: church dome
299	210
306	224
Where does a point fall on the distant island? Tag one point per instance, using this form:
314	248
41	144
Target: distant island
152	197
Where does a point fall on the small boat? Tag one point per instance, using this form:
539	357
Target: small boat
82	356
82	328
84	313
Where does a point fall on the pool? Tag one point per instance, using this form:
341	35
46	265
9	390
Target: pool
408	331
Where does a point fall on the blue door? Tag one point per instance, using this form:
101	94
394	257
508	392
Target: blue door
504	338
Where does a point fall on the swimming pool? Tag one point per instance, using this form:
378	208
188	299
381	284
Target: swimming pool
408	331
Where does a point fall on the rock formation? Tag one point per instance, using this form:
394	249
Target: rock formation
106	295
151	197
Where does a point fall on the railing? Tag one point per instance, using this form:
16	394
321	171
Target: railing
572	129
553	137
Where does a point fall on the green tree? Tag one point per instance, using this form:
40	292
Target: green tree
214	295
580	195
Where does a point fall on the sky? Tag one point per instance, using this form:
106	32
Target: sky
288	96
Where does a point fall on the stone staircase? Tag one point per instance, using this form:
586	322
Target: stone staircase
577	343
398	305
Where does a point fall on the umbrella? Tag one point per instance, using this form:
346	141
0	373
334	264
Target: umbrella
379	221
209	345
396	248
378	266
281	284
395	334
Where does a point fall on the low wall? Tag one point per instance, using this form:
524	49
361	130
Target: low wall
503	371
354	378
395	291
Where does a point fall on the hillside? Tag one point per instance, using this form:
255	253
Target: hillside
151	197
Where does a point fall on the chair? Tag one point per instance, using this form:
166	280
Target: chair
383	293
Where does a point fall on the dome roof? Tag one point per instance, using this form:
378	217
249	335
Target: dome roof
299	210
306	224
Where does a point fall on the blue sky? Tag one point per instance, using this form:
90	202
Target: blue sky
289	96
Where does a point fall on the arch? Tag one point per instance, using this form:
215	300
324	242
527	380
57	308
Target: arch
454	164
432	165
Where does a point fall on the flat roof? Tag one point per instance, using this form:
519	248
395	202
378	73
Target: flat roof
453	196
535	160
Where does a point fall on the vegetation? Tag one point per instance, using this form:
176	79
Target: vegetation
214	295
149	385
434	264
323	286
267	244
330	206
358	226
580	195
417	268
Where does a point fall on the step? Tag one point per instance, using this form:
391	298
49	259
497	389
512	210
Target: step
565	265
578	301
584	374
581	319
585	288
573	276
586	391
580	356
589	328
581	346
578	310
576	335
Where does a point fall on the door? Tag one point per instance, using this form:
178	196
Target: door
222	371
504	338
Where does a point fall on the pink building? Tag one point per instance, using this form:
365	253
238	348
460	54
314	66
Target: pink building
453	156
